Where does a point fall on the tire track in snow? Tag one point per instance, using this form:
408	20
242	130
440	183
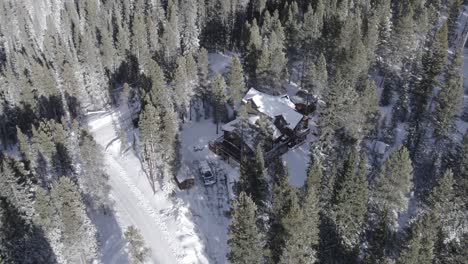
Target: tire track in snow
107	128
146	207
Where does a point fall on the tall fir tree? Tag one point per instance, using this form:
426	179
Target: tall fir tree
296	247
350	206
78	233
450	98
310	208
219	100
394	183
244	238
236	82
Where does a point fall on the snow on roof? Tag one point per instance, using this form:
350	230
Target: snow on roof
252	119
231	126
274	106
380	147
184	174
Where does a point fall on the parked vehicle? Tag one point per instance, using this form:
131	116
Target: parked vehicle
206	173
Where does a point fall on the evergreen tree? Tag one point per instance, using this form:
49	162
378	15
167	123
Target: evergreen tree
310	208
253	47
394	182
403	35
244	238
292	27
190	31
350	206
369	103
151	140
236	81
296	245
262	71
139	253
78	233
219	99
260	184
410	254
182	88
441	197
450	98
436	55
452	19
281	200
24	147
202	64
171	36
94	180
421	244
381	237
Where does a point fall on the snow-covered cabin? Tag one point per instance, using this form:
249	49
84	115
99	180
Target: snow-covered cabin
286	126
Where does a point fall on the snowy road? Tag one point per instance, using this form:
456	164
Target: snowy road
169	225
130	205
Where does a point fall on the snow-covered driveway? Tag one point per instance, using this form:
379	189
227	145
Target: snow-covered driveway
165	223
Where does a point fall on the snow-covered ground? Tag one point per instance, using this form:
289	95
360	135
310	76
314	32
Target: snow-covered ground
165	223
189	226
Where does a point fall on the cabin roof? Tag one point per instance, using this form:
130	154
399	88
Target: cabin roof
274	106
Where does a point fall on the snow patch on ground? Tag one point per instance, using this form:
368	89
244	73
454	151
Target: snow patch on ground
219	62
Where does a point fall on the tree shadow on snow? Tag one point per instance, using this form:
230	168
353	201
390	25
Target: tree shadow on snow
110	236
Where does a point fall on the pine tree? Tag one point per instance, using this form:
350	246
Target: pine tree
260	184
277	64
253	47
15	187
394	182
78	233
292	27
24	147
244	239
450	98
192	71
369	104
350	206
436	55
441	197
236	81
139	252
403	35
139	37
182	88
219	99
94	180
204	90
262	72
46	213
171	36
190	31
310	31
380	240
281	200
296	247
452	19
310	208
385	26
410	254
150	139
421	244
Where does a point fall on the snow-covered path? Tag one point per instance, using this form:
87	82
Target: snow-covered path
166	223
130	206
